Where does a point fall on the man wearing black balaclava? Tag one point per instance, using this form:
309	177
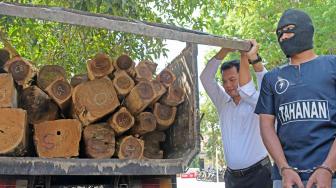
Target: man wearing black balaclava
301	96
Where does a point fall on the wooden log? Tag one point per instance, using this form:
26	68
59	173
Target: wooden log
145	122
48	74
58	138
94	99
159	90
123	83
21	70
4	57
38	104
121	121
78	79
174	96
166	77
145	70
140	97
60	91
8	93
99	140
13	132
100	66
150	64
130	147
124	62
165	115
152	142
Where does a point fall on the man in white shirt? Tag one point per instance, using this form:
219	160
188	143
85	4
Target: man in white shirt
235	101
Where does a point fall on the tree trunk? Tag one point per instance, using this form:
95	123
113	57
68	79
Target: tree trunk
123	83
13	132
99	141
21	70
165	115
58	138
94	99
166	77
38	105
60	91
100	66
4	57
152	144
144	71
124	62
140	97
78	79
174	96
121	121
130	147
159	90
8	93
48	74
145	122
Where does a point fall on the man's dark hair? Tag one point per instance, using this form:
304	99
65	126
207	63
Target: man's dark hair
229	64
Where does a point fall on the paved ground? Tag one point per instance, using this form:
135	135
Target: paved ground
193	183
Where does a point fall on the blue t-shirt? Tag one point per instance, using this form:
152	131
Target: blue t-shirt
303	99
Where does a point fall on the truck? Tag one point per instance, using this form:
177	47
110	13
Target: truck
183	138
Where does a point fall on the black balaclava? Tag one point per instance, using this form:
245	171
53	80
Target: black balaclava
303	32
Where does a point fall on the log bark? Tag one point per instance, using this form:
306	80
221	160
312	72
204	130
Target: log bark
60	91
130	147
123	83
99	140
94	99
174	96
121	121
124	62
13	132
165	115
78	79
38	104
58	138
140	97
8	93
100	66
159	90
145	122
152	142
166	77
21	70
4	57
48	74
145	70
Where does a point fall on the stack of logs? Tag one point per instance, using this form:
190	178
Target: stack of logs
118	109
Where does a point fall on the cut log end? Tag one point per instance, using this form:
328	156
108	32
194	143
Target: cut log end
58	138
60	91
130	148
48	74
140	97
124	62
166	77
165	115
121	121
123	83
78	79
145	122
18	68
100	66
99	141
13	132
174	97
8	93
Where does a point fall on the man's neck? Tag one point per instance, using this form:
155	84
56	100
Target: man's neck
303	57
236	100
